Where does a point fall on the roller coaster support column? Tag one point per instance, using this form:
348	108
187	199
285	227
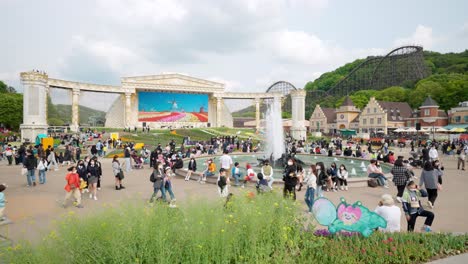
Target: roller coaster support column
298	129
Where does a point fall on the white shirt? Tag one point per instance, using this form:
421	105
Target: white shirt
311	180
225	161
391	214
433	153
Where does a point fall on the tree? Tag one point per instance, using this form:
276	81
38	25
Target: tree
11	110
393	94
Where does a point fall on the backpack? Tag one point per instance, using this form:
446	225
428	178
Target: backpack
152	178
372	183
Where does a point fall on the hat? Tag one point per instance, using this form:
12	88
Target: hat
387	199
167	168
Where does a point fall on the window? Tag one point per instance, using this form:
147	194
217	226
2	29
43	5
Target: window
375	110
457	119
364	121
372	121
466	119
368	110
379	120
427	112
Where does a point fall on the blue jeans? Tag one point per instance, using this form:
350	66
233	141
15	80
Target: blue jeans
155	193
169	190
309	197
237	177
31	177
208	174
380	178
42	176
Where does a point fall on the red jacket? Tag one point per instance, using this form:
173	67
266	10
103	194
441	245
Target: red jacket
73	180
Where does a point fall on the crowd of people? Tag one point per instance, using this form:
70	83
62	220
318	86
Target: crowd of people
85	174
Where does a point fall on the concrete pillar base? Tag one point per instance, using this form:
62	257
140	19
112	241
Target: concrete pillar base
298	133
30	132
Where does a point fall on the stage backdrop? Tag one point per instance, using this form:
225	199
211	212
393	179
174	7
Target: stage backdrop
172	107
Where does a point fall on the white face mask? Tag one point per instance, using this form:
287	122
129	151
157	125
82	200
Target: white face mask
318	167
290	163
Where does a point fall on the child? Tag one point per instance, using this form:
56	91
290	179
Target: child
42	167
311	183
72	187
192	167
2	202
267	172
236	173
413	209
249	176
342	175
223	181
262	184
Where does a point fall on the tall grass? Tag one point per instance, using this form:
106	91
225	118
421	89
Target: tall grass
250	229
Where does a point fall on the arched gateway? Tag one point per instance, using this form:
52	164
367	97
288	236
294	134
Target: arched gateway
156	101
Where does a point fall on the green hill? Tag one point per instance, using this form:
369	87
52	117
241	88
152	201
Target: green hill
61	114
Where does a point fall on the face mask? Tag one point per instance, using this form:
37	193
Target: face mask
318	167
437	164
92	163
342	168
290	163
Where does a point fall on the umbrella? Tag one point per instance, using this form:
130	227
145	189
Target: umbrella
411	129
458	130
441	129
398	130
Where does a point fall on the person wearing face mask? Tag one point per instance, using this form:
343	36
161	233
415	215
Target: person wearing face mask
83	173
413	208
430	179
342	176
321	178
290	180
93	175
192	167
210	171
157	178
311	183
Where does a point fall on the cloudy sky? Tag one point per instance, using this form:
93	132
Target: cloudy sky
246	44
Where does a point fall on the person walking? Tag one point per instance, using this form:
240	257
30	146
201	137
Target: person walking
167	186
290	180
93	175
310	182
82	171
157	178
51	159
413	208
41	168
433	154
321	178
461	158
2	202
401	176
223	183
429	179
118	173
72	187
30	163
127	155
9	154
226	162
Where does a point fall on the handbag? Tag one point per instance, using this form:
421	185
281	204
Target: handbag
24	171
121	175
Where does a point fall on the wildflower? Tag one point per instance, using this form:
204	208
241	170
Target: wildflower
390	239
363	250
230	216
222	230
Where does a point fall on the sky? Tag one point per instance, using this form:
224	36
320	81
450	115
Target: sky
245	44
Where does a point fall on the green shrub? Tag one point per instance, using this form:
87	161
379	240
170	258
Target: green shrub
261	229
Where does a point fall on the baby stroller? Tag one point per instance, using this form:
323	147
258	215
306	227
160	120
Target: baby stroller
137	162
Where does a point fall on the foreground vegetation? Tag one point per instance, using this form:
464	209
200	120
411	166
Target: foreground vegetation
264	229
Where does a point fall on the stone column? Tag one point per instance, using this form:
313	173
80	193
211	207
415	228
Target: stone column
219	101
128	109
298	129
34	105
75	110
257	114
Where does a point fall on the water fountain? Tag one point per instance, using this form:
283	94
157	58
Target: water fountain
353	172
362	165
274	130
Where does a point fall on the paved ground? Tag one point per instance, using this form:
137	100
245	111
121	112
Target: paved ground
34	209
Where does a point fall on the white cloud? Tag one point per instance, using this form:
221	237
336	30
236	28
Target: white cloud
422	36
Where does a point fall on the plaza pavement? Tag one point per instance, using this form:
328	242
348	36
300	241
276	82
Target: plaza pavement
34	210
